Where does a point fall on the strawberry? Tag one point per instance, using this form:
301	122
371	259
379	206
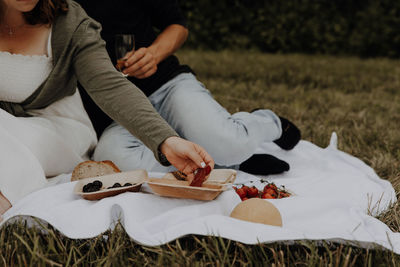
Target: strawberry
272	186
245	188
241	192
252	192
269	191
267	196
283	194
200	176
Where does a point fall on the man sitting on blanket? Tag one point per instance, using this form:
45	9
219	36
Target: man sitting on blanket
174	91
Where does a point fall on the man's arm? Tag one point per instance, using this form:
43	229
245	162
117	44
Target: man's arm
169	41
127	105
143	62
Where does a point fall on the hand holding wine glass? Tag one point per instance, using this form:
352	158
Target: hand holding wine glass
124	46
143	63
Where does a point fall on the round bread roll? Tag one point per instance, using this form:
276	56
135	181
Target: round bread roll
257	210
92	168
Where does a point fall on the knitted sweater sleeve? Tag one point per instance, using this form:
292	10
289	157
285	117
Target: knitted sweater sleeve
113	93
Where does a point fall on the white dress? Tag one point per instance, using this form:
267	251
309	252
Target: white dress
51	142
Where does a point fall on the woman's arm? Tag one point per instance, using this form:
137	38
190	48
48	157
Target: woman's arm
125	103
114	94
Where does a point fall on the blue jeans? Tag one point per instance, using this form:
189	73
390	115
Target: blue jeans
190	109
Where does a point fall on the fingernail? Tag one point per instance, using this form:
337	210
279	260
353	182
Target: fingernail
203	165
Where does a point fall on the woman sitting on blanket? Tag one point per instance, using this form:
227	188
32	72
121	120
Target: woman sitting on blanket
46	46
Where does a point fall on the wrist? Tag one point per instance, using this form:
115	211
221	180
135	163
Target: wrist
163	159
154	50
163	150
168	142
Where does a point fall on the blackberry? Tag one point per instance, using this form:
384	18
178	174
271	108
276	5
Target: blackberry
85	188
93	189
97	183
116	185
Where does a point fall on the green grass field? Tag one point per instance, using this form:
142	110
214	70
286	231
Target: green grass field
359	99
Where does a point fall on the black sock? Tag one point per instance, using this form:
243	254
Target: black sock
264	164
291	135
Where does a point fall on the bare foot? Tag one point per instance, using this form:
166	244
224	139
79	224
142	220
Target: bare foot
4	205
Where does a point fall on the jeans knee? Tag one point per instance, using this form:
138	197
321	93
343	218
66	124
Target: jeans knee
230	150
127	152
106	149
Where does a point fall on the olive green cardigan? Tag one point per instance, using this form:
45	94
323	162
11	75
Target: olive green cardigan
79	55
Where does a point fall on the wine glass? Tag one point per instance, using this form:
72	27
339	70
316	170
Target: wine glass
124	43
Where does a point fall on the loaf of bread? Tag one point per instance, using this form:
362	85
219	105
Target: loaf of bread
92	168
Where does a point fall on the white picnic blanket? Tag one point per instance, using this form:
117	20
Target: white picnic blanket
334	192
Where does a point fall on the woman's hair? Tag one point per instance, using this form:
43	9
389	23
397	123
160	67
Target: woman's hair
2	10
45	11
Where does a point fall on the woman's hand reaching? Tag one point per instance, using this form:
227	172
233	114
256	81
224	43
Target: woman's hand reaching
185	155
